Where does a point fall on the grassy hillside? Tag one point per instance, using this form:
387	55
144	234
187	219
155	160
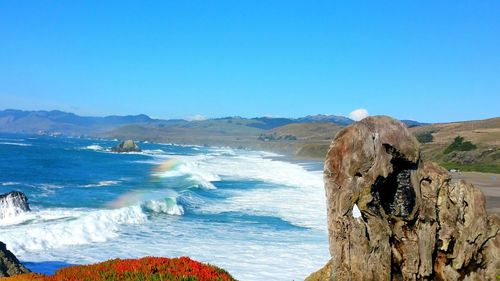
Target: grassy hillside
210	132
309	131
478	148
311	140
483	134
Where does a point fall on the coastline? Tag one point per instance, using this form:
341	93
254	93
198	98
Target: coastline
268	174
487	182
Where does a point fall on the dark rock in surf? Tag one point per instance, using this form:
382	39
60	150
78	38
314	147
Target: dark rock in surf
9	264
416	224
126	146
13	203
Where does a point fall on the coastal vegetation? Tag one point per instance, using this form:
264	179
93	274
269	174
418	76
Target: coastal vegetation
459	144
464	146
424	137
147	268
274	137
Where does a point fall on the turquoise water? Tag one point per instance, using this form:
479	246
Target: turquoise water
250	212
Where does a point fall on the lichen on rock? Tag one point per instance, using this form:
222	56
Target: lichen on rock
415	225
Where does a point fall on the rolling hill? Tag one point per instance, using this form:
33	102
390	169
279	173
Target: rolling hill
483	134
307	137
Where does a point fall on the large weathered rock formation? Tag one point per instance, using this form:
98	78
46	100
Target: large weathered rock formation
9	264
415	225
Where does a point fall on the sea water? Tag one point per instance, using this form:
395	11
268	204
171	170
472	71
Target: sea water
252	213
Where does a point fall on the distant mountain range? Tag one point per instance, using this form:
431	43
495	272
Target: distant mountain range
55	121
308	136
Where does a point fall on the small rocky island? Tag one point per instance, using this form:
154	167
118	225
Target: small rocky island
415	223
126	146
13	203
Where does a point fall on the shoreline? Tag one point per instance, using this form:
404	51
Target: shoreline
286	153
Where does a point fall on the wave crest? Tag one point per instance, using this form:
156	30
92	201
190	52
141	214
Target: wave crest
166	206
68	228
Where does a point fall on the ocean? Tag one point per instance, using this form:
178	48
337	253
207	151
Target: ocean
259	215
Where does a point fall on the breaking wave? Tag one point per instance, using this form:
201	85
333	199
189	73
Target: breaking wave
57	228
302	189
10	207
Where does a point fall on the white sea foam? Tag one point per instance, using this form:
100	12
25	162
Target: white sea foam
10	207
102	183
167	206
291	192
193	172
9	183
298	198
153	151
95	147
9	139
60	228
303	207
253	256
251	167
35	216
46	189
46	186
15	143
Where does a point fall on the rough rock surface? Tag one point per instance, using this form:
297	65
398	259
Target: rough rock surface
126	146
12	204
415	223
9	264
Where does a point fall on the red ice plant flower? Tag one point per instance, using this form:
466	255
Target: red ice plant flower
148	268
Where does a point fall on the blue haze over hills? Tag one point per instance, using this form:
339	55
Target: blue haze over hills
55	121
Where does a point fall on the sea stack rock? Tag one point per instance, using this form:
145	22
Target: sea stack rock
126	146
415	223
9	264
13	204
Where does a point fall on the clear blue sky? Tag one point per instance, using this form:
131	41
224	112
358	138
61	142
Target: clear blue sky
425	60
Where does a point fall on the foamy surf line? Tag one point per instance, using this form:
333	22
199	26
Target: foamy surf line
102	183
15	143
240	167
292	180
59	228
93	147
78	228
